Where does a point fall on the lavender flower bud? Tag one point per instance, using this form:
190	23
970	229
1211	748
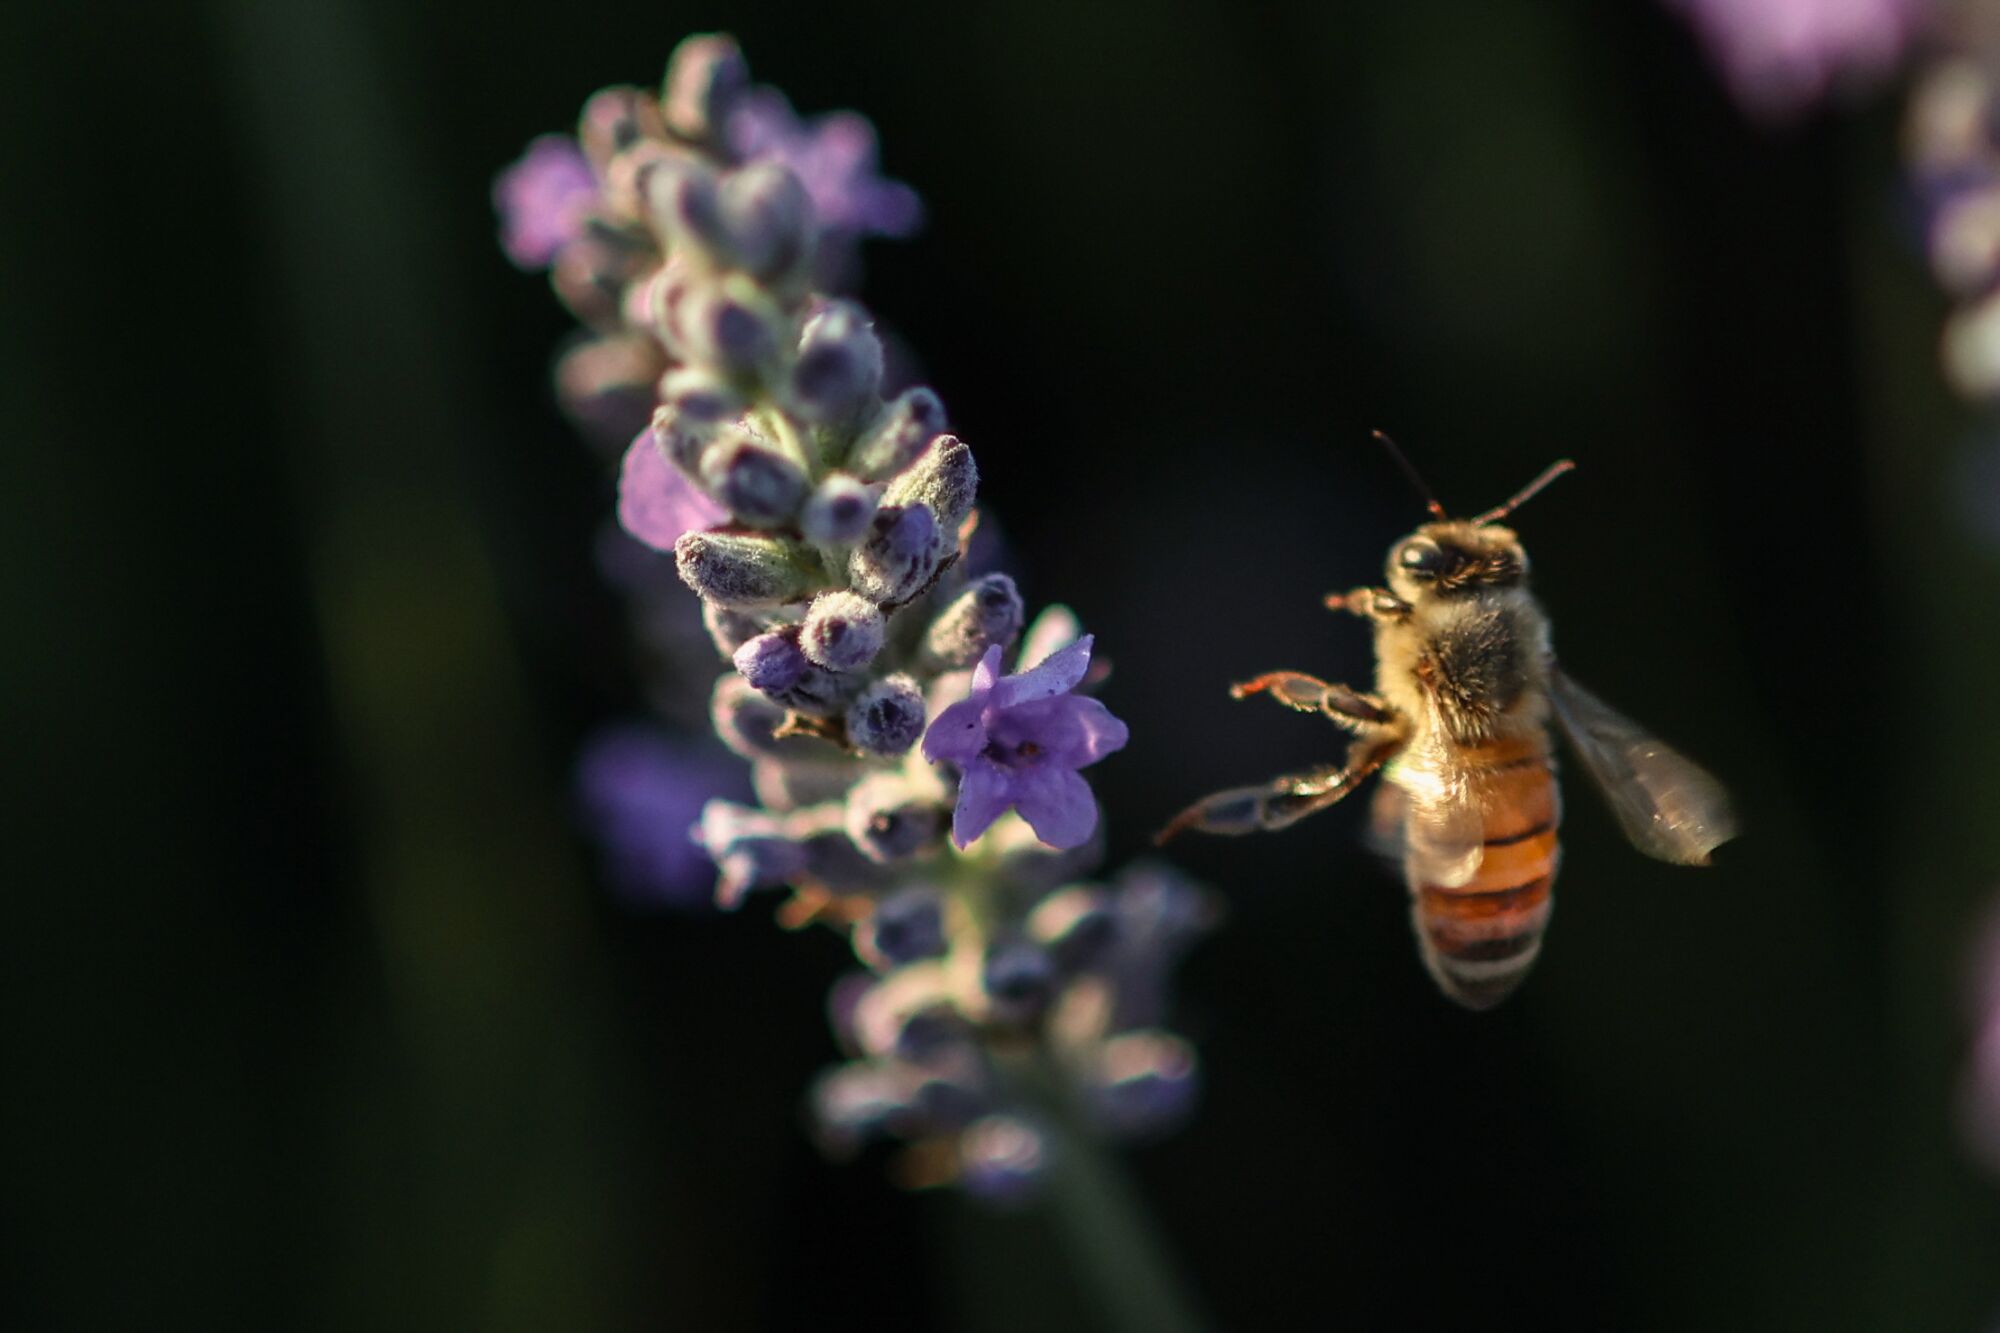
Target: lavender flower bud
839	367
906	926
733	330
855	1103
757	219
679	438
898	556
1076	925
746	720
1145	1083
699	397
987	612
888	717
1002	1159
943	477
889	818
760	486
729	629
838	512
909	1014
772	662
768	219
744	571
749	850
706	75
614	120
898	435
1018	976
842	632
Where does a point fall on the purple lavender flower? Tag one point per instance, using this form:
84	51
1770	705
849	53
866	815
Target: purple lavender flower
543	200
1781	57
641	793
656	501
834	158
1018	742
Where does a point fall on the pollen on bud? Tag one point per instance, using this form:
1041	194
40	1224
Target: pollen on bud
887	717
842	632
988	612
839	367
706	76
760	486
838	512
898	434
889	818
772	662
744	571
898	556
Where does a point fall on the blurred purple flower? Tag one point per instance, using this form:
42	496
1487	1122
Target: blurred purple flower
656	501
834	158
641	794
543	200
1781	57
1018	741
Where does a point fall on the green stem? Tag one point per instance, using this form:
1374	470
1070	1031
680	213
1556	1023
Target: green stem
1105	1228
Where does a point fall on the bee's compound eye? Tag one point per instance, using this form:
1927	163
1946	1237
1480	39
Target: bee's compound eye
1421	557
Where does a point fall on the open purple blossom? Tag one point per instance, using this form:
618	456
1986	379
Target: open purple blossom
543	200
1782	57
1018	742
834	158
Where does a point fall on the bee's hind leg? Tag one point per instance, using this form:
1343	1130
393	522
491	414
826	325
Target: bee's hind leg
1281	802
1274	805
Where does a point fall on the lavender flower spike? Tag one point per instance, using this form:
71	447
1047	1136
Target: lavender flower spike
1018	741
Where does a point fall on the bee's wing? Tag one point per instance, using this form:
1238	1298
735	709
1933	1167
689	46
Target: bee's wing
1444	833
1667	804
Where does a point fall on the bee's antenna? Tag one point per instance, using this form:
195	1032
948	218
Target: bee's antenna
1410	471
1526	493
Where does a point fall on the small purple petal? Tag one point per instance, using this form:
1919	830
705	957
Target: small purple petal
1070	731
1057	804
983	796
1059	674
656	501
958	734
543	200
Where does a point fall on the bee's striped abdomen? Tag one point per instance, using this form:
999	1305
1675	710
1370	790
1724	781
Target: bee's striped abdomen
1479	938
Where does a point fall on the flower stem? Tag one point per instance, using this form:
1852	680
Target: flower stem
1118	1251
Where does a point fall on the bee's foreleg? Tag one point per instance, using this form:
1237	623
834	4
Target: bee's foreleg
1309	694
1369	603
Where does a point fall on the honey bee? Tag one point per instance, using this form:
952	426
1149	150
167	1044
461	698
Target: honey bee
1465	686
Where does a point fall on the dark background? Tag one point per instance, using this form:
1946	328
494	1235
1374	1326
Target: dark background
315	1014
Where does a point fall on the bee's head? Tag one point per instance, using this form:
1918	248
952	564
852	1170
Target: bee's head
1456	559
1460	557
